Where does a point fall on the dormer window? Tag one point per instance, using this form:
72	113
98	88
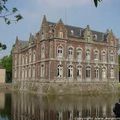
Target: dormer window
61	34
72	32
42	36
95	37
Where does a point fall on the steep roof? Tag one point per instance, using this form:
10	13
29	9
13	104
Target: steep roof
23	43
78	32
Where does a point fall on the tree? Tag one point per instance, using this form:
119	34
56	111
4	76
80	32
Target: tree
9	15
96	2
2	46
6	62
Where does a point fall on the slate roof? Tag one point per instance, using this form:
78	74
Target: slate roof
23	43
78	32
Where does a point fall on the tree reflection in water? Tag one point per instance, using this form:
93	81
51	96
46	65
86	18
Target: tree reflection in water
5	113
23	106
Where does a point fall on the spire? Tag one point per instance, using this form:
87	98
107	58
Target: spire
44	19
107	31
17	39
60	21
88	27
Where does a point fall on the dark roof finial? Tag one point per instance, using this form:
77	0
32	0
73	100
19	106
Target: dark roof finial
60	21
88	27
44	19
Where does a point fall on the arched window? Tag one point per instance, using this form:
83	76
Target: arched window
15	73
60	51
26	59
88	72
111	56
42	51
112	73
26	72
23	73
70	52
70	71
30	72
22	59
96	55
104	73
103	56
79	54
87	54
60	71
42	70
34	56
96	73
79	71
33	71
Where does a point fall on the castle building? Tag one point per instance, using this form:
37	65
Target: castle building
60	53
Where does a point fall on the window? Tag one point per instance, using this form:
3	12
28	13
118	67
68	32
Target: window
33	71
104	73
103	56
72	32
61	34
29	72
59	71
96	73
79	71
112	73
15	73
34	56
42	70
26	72
70	52
30	58
23	59
60	51
79	54
88	72
111	57
96	55
70	71
23	73
87	54
42	36
42	51
26	59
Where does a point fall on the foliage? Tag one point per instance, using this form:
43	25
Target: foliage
2	46
96	2
9	15
6	62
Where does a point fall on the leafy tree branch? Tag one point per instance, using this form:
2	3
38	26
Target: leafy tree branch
9	15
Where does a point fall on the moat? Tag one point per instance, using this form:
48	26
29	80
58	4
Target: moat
24	106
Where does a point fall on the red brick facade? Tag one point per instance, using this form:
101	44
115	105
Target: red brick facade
59	53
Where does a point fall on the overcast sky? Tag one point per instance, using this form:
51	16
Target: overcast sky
73	12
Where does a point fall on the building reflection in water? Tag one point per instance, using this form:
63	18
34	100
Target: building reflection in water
32	107
5	106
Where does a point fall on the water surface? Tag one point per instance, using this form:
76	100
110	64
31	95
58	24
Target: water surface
24	106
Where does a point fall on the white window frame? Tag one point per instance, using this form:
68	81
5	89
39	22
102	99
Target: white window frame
60	71
42	70
70	52
79	54
88	72
70	71
88	55
60	51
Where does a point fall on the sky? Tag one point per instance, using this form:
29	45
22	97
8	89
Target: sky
73	12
